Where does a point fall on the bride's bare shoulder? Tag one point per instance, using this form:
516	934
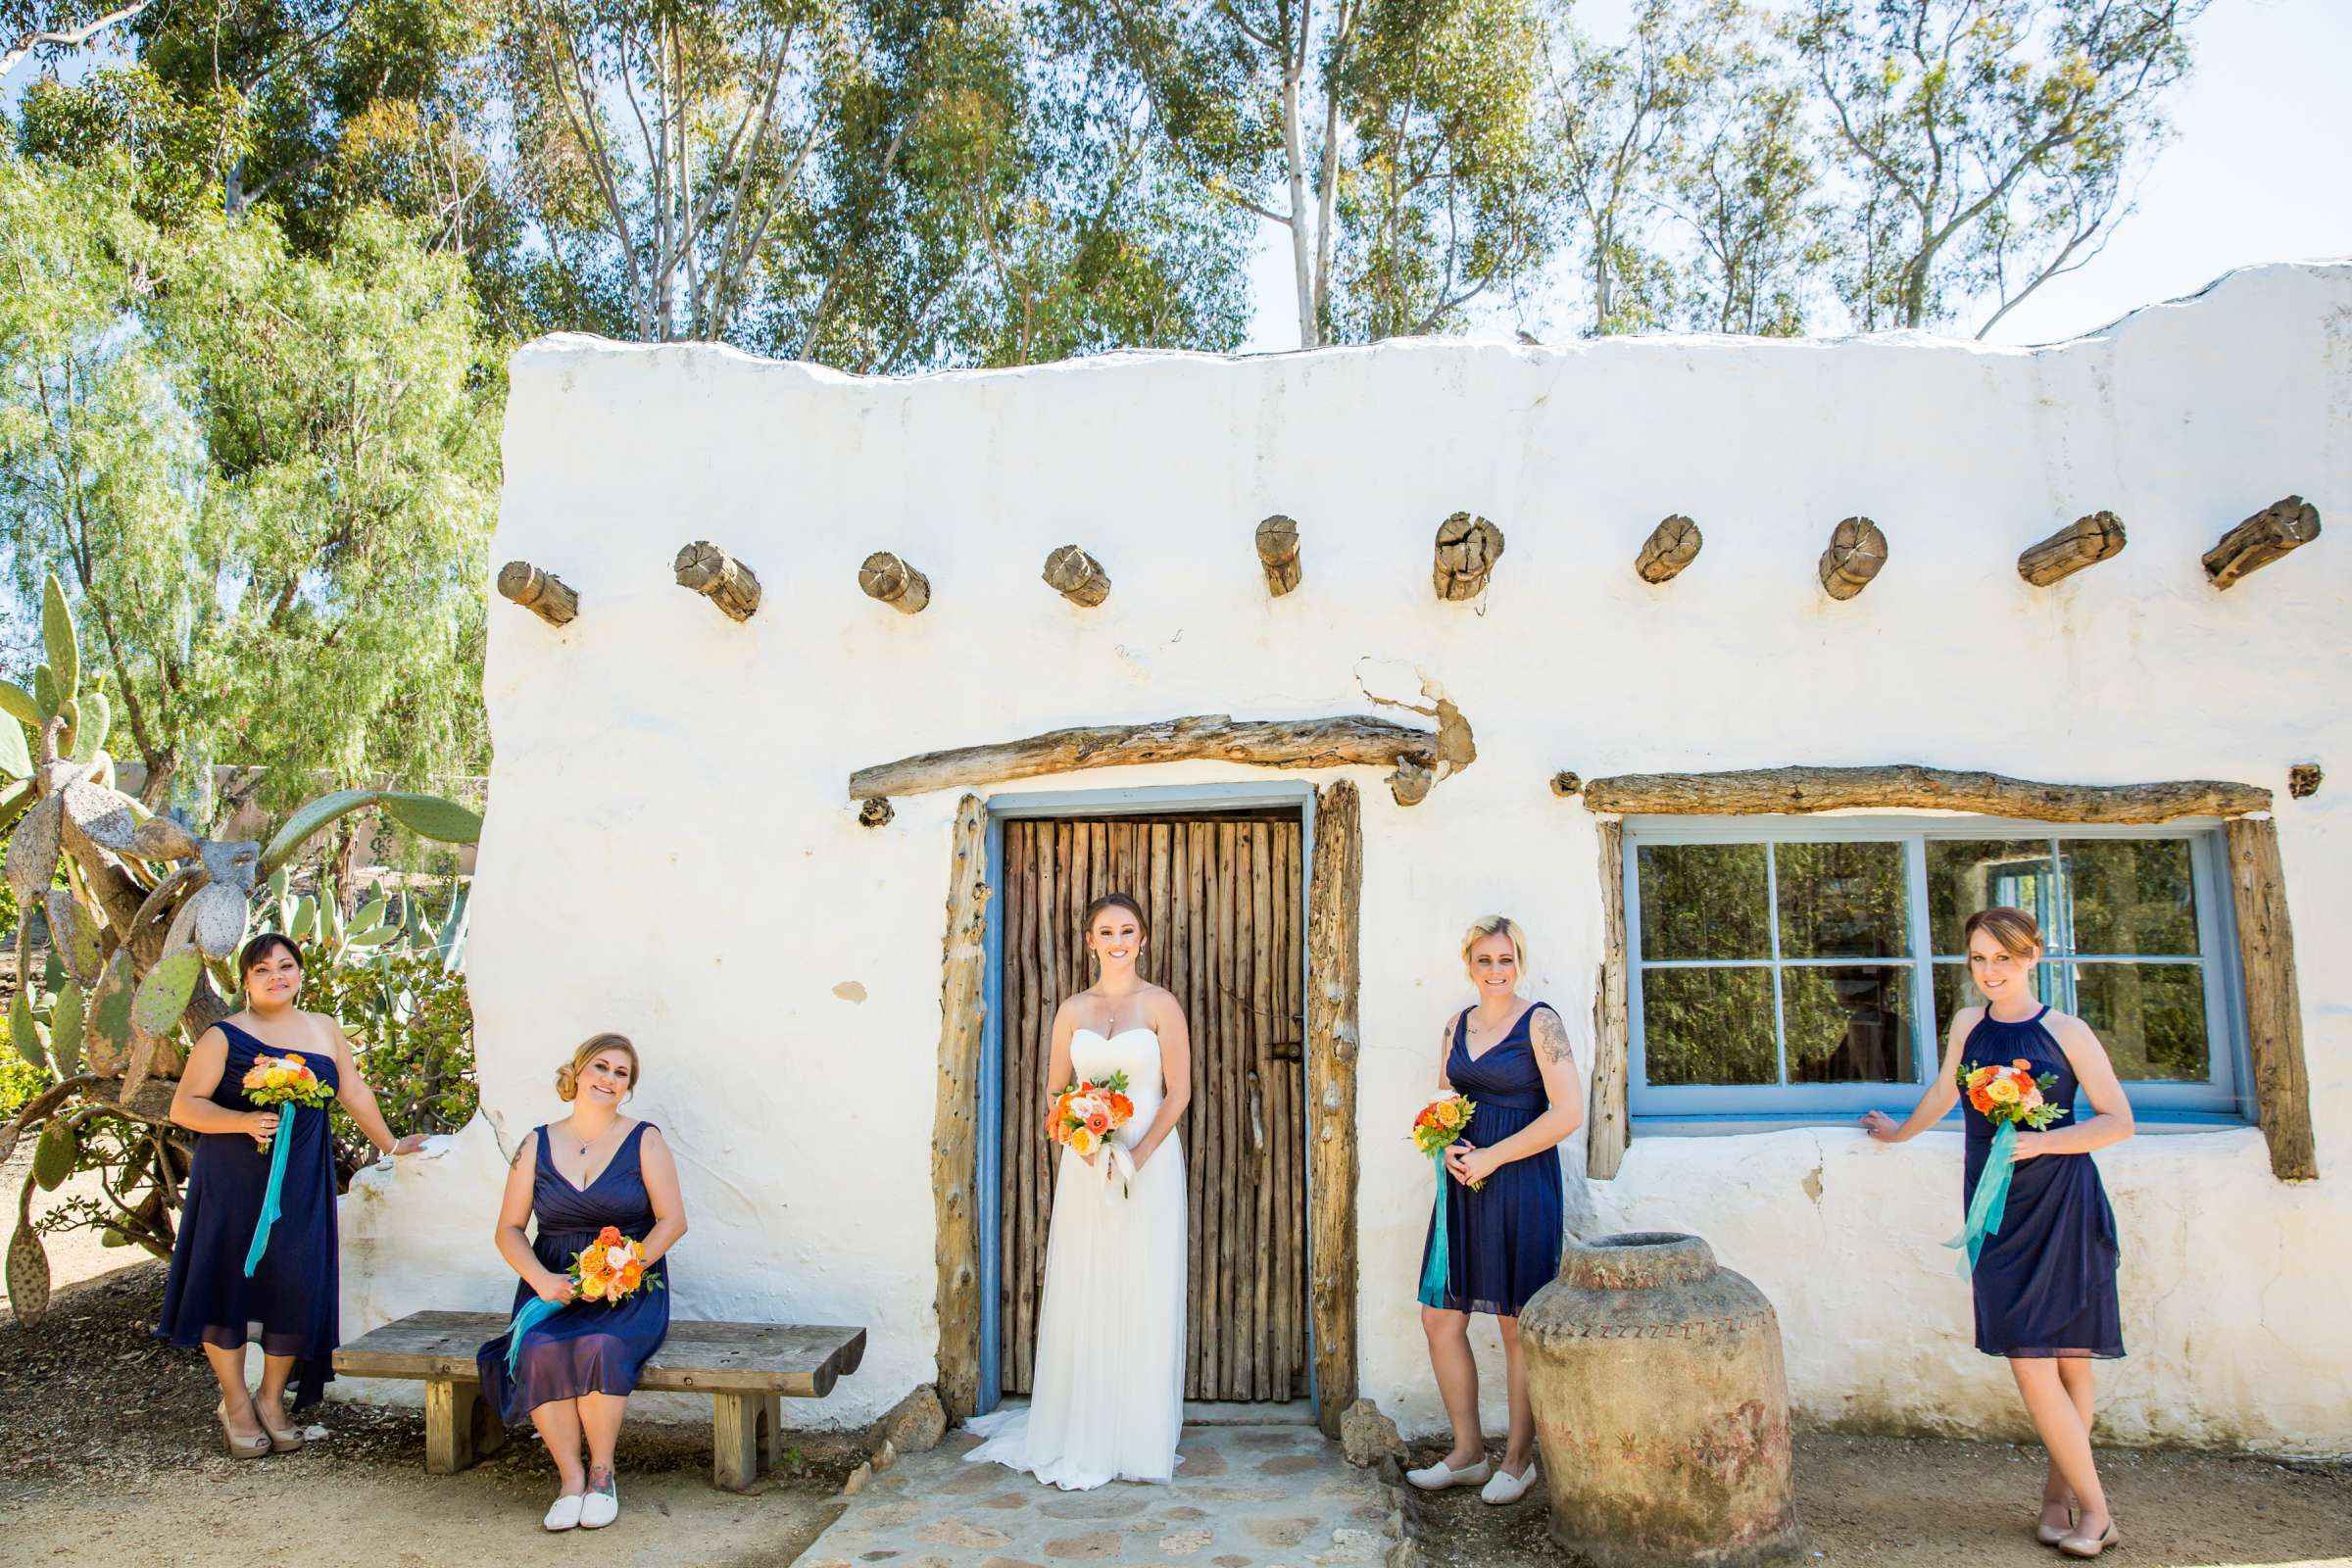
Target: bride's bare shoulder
1163	1001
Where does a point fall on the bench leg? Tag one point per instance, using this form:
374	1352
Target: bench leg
735	1440
459	1425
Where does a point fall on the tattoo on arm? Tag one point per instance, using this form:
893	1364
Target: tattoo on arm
1550	1036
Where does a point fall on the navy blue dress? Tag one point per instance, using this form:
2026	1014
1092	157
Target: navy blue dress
2045	1283
1503	1240
588	1347
289	1306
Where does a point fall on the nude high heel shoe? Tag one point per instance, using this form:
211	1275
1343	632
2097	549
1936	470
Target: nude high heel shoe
240	1447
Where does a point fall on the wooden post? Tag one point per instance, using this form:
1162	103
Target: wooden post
2261	539
2266	951
875	811
884	577
1278	552
2084	542
1077	577
1671	546
735	1440
1857	550
460	1427
2303	780
1565	783
1467	549
1333	965
1612	1129
542	593
955	1119
1412	782
719	577
1911	787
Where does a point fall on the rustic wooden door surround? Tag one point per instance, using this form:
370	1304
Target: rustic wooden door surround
1252	902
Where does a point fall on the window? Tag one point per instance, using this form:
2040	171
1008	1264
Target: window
1799	968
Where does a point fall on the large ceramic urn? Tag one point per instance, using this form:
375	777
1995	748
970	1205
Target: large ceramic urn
1662	1406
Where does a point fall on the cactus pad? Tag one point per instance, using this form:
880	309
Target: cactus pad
53	1157
164	992
28	1276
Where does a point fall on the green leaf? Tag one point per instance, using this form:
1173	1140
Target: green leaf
56	639
25	1031
53	1157
371	912
45	695
96	716
308	819
304	920
18	703
16	755
429	817
165	989
111	1237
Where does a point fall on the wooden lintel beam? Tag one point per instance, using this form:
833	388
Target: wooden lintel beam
2280	526
542	593
1348	739
1913	787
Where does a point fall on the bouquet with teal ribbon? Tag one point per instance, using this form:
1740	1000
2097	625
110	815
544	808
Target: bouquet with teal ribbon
1438	1128
535	1311
2009	1097
287	1083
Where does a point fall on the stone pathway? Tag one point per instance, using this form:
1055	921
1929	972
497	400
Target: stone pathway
1244	1496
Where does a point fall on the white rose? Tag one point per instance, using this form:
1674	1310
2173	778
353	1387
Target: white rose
618	1257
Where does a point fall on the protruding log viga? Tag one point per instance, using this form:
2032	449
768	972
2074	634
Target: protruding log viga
719	577
1857	550
886	577
1277	553
2084	542
1671	546
2277	528
542	593
1467	549
1077	577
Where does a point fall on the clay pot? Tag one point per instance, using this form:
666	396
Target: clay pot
1662	1406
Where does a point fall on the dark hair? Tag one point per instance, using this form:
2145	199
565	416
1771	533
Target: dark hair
2014	930
261	947
1114	901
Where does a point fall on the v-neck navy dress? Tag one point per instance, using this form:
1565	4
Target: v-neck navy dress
1503	1240
588	1347
288	1305
2045	1284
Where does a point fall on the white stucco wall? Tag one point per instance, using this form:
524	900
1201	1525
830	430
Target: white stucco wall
670	852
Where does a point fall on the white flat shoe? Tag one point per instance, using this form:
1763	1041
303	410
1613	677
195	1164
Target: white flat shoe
564	1513
1508	1488
599	1508
1438	1477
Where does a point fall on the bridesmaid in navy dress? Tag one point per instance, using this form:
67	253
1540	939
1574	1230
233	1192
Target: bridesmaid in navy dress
1513	1059
288	1305
593	1168
2045	1283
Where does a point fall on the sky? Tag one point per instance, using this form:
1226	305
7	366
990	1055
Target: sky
2259	170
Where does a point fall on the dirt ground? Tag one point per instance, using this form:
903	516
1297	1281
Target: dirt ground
109	1455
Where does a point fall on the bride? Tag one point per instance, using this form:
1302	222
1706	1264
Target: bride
1108	1399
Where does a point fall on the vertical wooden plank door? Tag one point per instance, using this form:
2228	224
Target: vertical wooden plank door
1221	893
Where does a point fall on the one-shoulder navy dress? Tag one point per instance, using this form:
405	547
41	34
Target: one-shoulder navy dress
289	1305
1503	1240
2045	1283
588	1347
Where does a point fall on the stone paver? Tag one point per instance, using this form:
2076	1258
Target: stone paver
1270	1497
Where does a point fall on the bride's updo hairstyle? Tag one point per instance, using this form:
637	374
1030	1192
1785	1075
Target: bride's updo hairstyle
1114	901
1495	925
568	1076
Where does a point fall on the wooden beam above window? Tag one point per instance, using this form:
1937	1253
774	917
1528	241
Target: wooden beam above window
1910	786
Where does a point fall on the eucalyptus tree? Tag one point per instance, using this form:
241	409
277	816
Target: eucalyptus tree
1989	143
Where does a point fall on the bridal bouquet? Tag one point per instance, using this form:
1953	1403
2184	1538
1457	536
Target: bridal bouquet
1438	1128
2009	1097
288	1083
1084	1115
609	1269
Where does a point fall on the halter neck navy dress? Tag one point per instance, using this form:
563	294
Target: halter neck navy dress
2045	1284
1503	1240
588	1347
289	1306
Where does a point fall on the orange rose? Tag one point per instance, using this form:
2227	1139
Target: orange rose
2022	1064
1122	1107
1979	1098
630	1276
610	1236
1980	1077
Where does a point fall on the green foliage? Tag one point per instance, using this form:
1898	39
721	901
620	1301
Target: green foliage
20	1082
412	1034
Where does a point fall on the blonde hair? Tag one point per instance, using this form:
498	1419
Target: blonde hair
2014	929
568	1076
1494	925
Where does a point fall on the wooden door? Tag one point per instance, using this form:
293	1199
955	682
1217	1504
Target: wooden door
1222	895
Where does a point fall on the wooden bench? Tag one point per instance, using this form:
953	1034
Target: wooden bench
748	1370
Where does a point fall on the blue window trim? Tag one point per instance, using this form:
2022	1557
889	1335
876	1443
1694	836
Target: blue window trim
2225	1100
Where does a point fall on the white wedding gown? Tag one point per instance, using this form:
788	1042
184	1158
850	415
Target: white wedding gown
1106	1400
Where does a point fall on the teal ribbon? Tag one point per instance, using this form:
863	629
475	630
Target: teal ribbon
1990	1200
533	1311
279	1143
1433	1274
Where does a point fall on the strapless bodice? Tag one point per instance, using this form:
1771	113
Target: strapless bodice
1133	1051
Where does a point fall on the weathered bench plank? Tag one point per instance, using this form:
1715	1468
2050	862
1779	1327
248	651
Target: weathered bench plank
747	1368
